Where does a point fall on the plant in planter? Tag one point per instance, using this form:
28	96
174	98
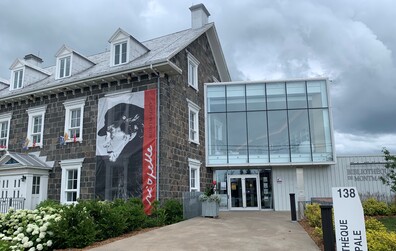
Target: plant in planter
210	202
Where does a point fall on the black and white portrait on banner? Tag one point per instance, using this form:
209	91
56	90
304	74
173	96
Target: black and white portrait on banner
119	146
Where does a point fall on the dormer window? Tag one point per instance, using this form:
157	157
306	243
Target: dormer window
17	81
69	62
120	53
64	67
124	48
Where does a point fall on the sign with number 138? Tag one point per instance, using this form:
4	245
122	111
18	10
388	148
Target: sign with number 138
349	219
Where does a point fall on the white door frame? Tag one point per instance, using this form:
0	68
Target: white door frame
243	184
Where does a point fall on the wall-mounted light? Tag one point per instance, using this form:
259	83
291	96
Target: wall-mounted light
23	178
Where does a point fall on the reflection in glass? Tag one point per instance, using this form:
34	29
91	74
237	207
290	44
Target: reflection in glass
236	192
251	192
296	95
216	99
257	137
268	123
217	140
237	141
236	98
317	94
255	95
320	135
300	145
276	96
278	136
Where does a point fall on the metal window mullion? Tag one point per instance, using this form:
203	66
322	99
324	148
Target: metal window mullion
309	120
266	114
226	112
288	126
247	128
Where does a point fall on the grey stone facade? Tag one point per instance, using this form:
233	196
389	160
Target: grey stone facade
174	146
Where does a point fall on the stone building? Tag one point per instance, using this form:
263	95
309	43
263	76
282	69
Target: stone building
53	119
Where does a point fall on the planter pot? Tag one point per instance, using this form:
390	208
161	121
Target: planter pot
210	209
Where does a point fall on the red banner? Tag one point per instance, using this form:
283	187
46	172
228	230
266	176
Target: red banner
149	172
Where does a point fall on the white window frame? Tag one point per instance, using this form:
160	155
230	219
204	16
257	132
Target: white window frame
193	109
16	76
5	118
194	167
113	52
66	166
192	71
58	66
71	105
34	112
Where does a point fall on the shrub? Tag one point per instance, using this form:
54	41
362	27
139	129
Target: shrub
49	203
132	213
392	209
381	240
157	217
313	215
31	229
4	245
374	225
373	207
108	221
173	210
75	229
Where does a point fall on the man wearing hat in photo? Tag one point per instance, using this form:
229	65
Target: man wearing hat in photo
119	172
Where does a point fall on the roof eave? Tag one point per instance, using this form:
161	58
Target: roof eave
162	67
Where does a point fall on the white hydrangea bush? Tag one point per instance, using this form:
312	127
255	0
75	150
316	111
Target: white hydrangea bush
29	229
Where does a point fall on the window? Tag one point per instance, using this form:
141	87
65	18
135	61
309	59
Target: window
36	126
262	123
4	130
192	71
193	122
64	66
120	53
17	79
194	166
36	185
70	184
74	120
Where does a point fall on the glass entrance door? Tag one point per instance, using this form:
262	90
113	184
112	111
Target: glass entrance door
243	192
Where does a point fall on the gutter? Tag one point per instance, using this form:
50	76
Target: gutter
158	129
21	96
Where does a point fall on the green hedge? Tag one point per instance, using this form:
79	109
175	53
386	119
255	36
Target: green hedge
378	237
81	224
373	207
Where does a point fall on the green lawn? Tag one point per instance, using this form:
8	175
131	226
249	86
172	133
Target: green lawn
389	222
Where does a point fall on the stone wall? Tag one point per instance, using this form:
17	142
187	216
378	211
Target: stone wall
54	124
174	150
175	146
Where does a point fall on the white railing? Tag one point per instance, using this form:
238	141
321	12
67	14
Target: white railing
7	203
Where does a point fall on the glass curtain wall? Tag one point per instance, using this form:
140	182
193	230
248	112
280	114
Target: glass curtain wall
268	123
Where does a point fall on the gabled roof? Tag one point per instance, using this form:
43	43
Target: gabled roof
120	31
12	160
4	84
161	50
70	50
20	62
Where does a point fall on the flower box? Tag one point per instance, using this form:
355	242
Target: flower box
210	209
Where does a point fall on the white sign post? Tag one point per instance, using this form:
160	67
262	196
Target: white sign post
349	220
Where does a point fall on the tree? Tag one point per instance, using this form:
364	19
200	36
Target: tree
390	177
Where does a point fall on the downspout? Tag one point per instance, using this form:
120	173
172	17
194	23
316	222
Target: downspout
158	129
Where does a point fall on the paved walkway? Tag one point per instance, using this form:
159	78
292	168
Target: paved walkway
231	231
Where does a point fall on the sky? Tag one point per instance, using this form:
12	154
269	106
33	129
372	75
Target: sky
351	42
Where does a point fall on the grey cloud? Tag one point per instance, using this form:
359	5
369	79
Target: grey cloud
351	42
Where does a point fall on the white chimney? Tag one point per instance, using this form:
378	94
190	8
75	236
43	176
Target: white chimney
199	16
